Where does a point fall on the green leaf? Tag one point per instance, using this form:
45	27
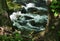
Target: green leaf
55	14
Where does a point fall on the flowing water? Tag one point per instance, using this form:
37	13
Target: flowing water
34	18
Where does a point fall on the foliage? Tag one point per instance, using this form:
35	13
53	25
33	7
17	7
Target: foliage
55	7
15	37
13	6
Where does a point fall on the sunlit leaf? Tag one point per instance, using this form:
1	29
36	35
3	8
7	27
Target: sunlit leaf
55	14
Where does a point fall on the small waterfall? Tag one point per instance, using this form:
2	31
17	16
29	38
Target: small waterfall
32	17
30	21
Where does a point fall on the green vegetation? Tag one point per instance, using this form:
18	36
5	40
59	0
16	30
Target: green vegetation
54	33
55	7
13	6
15	37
